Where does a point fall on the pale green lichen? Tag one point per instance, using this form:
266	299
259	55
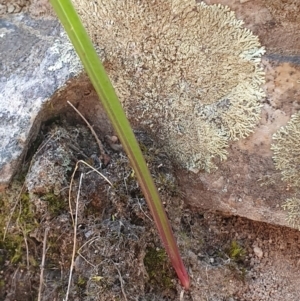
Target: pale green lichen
206	142
266	180
286	148
182	68
292	206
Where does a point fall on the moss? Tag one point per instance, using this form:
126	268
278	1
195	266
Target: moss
13	244
55	204
157	266
22	222
2	284
236	252
82	281
187	71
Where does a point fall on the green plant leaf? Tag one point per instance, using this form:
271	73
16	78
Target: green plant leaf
94	68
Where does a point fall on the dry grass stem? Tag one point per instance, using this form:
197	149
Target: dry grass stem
75	234
121	282
100	145
181	295
97	171
72	179
90	241
43	265
27	249
12	211
70	191
22	189
88	262
145	212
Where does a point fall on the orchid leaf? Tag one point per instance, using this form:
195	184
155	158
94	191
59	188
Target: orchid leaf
101	82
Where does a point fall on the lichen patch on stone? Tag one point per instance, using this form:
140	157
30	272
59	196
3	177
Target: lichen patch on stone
286	148
292	206
171	62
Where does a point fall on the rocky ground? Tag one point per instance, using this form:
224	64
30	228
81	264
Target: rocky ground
53	214
59	212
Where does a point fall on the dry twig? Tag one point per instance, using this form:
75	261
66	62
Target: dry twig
87	242
74	236
181	295
26	246
72	179
121	281
101	149
43	264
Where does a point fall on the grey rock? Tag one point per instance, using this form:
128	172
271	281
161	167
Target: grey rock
36	59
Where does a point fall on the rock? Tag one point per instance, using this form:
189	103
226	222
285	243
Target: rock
36	59
276	22
252	186
10	9
258	252
2	9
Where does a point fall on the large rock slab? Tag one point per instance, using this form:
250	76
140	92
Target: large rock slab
246	184
36	59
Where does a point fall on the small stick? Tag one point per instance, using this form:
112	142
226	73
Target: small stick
13	211
100	145
70	192
26	246
121	281
72	179
144	211
97	171
181	295
74	238
87	242
43	264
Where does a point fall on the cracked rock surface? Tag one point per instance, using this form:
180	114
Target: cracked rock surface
36	59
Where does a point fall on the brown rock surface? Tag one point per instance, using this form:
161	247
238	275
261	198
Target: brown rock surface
276	22
247	184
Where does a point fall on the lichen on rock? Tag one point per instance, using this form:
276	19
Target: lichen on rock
173	61
286	148
51	165
292	206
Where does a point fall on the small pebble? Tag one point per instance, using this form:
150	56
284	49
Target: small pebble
258	252
10	9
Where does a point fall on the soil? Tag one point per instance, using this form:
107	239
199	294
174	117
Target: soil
118	255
